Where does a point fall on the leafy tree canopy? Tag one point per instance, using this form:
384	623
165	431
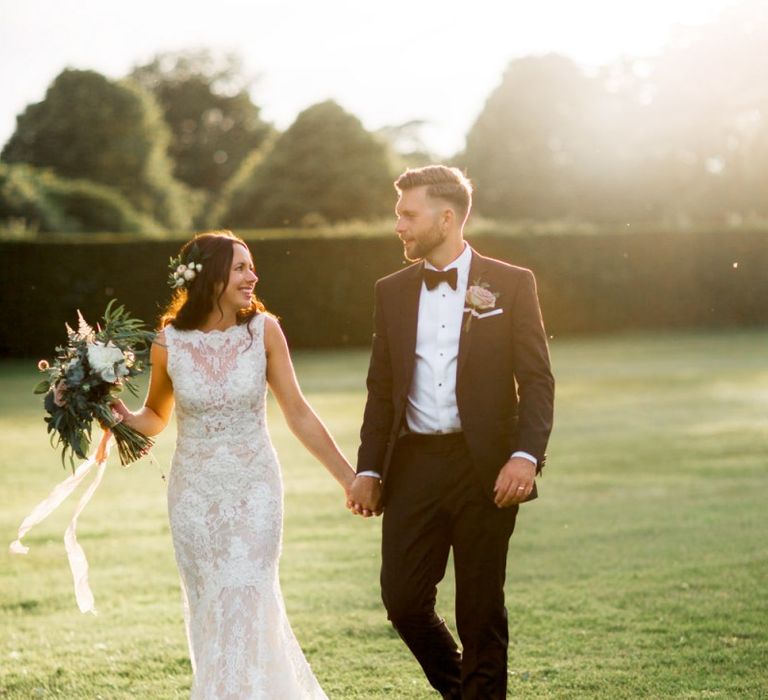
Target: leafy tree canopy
206	103
113	133
325	168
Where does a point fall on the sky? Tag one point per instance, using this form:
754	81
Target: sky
386	62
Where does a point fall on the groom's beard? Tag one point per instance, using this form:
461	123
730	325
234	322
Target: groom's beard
426	243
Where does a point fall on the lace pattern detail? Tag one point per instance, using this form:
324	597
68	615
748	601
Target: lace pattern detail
225	506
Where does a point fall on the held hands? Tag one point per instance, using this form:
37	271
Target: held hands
514	482
364	497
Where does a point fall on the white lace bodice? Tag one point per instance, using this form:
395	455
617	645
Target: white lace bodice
225	505
219	387
219	381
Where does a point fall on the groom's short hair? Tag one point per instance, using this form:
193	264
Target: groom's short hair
442	182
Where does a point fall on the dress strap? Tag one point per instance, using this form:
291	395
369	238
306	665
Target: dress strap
256	326
256	330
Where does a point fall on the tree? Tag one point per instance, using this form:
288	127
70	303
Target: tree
679	140
213	122
407	145
113	133
523	150
708	119
325	168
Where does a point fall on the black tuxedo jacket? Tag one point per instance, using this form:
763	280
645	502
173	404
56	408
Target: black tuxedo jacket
504	385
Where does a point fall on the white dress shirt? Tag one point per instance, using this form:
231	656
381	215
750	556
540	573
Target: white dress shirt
432	406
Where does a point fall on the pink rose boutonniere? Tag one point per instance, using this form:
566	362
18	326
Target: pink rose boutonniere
479	298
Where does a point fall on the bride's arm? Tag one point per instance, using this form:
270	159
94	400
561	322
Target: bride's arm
156	412
302	420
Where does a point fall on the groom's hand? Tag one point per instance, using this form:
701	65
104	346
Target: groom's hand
365	496
514	482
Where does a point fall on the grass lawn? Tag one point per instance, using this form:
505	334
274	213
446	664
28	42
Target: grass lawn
641	571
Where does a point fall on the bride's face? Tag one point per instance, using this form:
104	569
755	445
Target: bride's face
242	279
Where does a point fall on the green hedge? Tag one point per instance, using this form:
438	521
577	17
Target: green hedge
322	289
39	200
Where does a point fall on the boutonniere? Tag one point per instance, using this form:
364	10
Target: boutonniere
479	298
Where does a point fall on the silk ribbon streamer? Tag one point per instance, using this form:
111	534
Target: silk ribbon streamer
75	554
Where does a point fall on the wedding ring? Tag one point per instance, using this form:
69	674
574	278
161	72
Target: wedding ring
521	488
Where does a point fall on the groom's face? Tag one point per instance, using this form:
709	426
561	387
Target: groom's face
418	223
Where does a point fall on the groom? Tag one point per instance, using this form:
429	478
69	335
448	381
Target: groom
459	410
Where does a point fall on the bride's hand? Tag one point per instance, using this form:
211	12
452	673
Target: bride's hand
120	411
346	483
117	415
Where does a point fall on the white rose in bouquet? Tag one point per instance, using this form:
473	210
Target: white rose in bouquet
103	360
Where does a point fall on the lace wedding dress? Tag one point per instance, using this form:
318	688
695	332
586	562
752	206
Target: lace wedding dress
225	504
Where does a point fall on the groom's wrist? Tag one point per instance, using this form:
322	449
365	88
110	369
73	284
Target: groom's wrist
371	473
525	455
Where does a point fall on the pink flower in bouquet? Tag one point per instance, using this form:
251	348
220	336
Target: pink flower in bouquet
58	393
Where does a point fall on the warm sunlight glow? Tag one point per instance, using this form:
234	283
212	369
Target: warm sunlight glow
379	60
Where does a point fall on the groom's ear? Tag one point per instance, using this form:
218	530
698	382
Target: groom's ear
447	217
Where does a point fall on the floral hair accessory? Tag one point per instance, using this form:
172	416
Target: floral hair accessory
182	273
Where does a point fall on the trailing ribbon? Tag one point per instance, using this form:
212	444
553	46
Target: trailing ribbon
75	554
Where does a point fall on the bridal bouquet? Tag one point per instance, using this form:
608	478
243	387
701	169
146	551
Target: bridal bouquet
85	379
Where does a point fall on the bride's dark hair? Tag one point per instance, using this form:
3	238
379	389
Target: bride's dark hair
190	305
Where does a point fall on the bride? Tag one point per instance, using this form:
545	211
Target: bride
214	356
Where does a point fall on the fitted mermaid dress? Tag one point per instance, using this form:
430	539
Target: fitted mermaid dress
225	505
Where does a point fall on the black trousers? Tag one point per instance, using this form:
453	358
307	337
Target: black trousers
434	503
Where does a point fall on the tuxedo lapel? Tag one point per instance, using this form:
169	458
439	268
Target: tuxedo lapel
476	270
408	309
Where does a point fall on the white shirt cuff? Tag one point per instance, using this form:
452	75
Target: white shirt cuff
527	456
375	475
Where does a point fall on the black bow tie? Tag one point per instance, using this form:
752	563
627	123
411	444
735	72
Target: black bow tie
433	277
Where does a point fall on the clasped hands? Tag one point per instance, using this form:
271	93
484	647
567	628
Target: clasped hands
364	496
513	485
